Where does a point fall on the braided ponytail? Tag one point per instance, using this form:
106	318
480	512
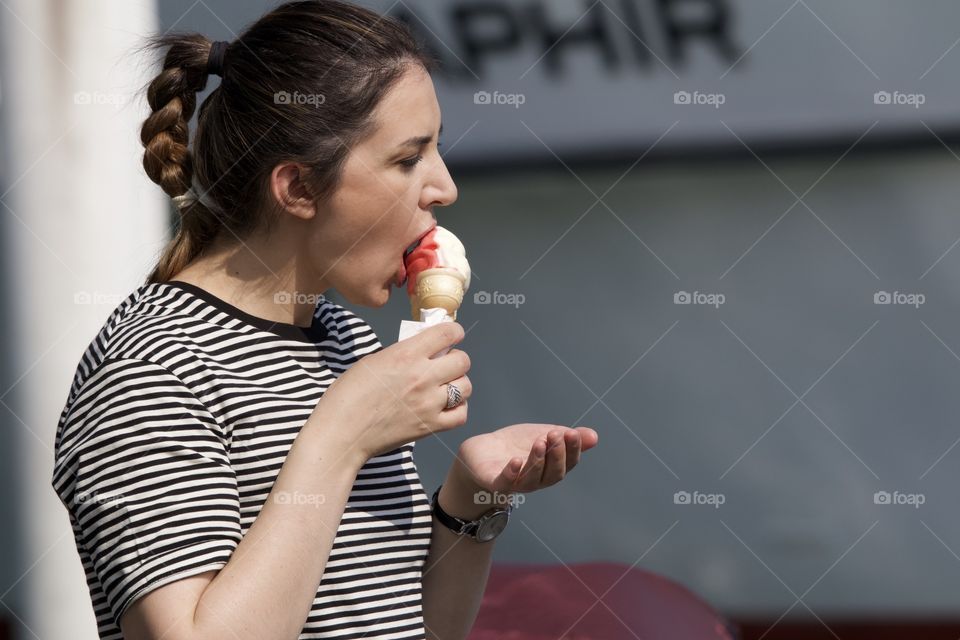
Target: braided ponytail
167	158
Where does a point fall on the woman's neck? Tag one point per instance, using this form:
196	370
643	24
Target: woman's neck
254	279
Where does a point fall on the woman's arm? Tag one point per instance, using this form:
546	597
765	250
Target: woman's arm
456	570
266	589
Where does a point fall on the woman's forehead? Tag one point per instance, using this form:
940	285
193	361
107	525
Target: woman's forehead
408	110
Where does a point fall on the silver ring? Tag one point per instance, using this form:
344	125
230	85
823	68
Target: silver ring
454	397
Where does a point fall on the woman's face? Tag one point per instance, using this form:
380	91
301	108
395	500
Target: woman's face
386	196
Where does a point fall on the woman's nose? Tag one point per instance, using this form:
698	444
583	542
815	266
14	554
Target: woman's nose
444	189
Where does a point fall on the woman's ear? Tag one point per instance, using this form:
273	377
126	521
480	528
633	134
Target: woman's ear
289	188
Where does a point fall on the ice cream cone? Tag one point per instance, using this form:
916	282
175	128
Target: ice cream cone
440	287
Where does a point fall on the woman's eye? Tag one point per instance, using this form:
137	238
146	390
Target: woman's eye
410	163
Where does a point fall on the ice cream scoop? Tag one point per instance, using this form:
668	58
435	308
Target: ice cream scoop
438	273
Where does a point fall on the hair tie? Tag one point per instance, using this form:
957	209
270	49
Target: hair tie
195	194
215	60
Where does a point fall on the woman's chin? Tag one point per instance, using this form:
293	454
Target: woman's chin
376	298
383	297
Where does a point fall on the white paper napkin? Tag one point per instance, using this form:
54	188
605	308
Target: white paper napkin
428	317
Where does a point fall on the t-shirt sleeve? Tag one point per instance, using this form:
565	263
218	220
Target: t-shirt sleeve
155	497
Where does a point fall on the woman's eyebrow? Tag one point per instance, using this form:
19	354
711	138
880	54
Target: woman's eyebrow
419	141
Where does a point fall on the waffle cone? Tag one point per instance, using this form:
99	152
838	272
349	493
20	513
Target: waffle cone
440	287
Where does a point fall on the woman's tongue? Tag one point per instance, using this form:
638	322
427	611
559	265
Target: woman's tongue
401	274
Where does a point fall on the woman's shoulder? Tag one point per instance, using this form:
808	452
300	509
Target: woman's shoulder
151	325
151	314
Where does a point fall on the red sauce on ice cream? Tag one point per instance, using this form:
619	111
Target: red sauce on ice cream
420	259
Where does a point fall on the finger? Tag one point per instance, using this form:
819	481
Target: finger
555	461
452	418
435	338
445	368
463	384
511	471
571	438
533	469
588	438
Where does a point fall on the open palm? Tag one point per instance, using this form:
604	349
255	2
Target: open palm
496	459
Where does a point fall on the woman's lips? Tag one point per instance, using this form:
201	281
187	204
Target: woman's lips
413	246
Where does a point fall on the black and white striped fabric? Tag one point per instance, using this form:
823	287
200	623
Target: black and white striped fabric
179	418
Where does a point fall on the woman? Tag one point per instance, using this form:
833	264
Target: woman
231	466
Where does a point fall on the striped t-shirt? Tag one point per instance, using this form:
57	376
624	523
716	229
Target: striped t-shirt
181	413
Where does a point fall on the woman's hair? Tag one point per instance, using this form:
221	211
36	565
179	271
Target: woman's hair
299	85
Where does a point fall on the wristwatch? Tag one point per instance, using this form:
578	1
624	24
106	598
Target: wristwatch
483	529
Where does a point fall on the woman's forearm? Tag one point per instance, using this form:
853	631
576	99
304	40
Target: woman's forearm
457	567
267	588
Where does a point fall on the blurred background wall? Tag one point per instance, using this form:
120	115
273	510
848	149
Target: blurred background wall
719	232
80	226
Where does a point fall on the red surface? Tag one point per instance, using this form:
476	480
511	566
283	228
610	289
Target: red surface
560	602
422	258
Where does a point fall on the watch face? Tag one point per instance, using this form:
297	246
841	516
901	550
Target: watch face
493	526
